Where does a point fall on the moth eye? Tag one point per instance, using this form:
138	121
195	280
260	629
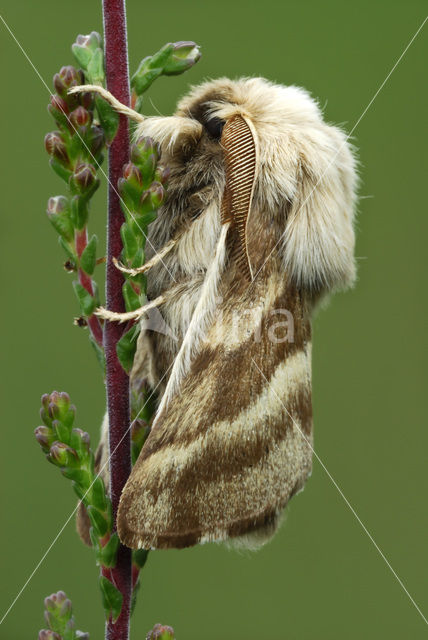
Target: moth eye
214	127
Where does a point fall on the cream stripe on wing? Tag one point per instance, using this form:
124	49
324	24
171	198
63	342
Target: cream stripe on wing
288	378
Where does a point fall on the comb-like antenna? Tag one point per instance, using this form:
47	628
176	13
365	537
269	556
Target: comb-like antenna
240	155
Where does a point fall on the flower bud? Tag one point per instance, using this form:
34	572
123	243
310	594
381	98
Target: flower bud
184	56
161	631
95	140
57	205
44	410
65	610
87	100
58	108
44	437
80	117
84	177
157	194
145	204
162	174
58	407
80	441
62	455
55	600
89	54
67	77
56	148
47	634
132	174
58	213
91	41
143	148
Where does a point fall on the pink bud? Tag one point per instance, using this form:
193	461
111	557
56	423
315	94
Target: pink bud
57	204
55	147
132	174
80	117
84	176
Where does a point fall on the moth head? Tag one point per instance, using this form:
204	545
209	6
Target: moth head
265	149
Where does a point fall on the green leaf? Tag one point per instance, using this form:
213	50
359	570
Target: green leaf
94	538
95	68
78	490
98	521
126	348
99	352
150	68
87	302
62	224
144	78
130	197
161	57
88	258
60	170
132	299
138	259
146	218
75	147
99	498
62	432
79	211
68	250
108	553
129	240
112	599
139	557
79	476
83	55
109	118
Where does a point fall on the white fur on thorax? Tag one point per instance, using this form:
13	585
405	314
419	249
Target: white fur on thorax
306	174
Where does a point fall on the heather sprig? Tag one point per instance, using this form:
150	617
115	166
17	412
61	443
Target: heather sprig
69	449
142	189
76	152
59	618
174	58
86	127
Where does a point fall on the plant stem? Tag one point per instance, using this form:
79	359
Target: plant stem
116	61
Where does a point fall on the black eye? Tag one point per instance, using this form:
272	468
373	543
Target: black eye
214	127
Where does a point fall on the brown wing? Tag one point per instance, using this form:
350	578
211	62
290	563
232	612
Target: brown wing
233	445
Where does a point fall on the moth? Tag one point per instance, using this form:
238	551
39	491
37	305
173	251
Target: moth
257	229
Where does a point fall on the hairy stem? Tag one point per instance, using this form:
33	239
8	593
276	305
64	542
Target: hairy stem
116	61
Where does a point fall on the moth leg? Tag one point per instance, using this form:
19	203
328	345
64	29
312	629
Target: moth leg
108	97
114	316
83	523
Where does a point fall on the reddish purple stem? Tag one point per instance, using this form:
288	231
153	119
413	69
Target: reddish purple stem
116	61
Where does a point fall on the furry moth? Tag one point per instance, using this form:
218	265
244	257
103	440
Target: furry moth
257	227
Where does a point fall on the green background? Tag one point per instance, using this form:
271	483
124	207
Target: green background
321	577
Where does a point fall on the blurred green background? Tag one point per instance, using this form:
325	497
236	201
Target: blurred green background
321	577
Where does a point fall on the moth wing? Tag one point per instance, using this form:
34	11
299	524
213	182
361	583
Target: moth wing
230	449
